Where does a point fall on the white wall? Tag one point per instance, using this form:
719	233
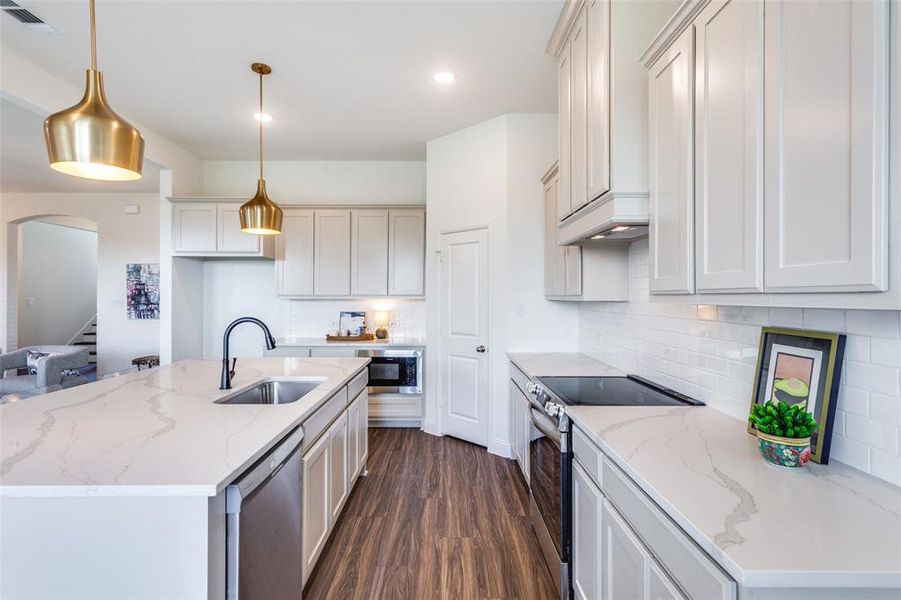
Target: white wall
710	353
320	182
121	239
57	282
237	288
490	173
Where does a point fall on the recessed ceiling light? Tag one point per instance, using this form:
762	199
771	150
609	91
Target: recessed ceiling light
598	237
264	117
444	77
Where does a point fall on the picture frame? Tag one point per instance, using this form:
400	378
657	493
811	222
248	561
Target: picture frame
352	323
797	365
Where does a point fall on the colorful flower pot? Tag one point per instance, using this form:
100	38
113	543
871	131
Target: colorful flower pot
782	451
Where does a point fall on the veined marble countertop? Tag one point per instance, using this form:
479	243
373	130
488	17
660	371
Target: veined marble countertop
155	432
321	341
821	526
560	364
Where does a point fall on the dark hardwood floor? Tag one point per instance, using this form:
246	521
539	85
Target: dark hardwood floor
435	518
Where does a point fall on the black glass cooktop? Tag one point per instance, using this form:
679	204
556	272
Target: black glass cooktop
613	391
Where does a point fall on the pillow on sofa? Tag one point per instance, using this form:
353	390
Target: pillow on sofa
31	360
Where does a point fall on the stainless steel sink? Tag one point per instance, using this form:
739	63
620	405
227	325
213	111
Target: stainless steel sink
273	392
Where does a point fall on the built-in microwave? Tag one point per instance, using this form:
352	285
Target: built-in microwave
394	370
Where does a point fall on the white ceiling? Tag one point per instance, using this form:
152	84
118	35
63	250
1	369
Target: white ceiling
24	166
351	80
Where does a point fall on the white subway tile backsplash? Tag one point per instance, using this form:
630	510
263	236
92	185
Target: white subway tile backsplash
876	323
710	352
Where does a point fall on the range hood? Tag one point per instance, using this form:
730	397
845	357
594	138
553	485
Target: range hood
614	217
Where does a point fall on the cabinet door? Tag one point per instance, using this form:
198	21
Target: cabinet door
624	560
660	586
564	130
194	227
369	253
406	252
316	512
826	105
363	446
587	516
338	462
578	56
671	172
597	25
573	261
729	146
294	254
229	236
353	440
554	255
332	255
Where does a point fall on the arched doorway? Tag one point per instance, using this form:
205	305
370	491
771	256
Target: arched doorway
52	282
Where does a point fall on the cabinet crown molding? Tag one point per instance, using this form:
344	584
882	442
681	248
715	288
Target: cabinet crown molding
549	174
681	19
568	15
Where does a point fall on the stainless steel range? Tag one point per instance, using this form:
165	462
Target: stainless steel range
550	455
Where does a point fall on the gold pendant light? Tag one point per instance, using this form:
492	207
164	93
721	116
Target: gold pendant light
260	215
89	139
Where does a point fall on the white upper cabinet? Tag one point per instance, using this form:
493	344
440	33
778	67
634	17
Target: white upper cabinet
332	254
597	36
211	229
578	57
564	124
729	146
229	236
406	252
562	264
369	252
194	227
671	166
294	254
826	107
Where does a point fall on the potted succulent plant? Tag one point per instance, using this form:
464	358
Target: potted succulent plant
783	432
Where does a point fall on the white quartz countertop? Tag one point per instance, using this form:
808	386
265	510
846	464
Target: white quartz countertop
321	341
560	364
155	432
820	526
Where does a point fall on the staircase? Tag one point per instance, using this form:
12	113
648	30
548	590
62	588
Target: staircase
88	337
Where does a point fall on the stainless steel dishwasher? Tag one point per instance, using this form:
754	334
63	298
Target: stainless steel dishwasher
263	526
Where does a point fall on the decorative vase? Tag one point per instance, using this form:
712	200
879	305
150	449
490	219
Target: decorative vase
382	332
783	451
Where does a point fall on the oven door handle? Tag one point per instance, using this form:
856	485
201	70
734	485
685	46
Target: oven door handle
544	424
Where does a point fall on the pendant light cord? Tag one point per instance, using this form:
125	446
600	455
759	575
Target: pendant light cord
261	124
93	38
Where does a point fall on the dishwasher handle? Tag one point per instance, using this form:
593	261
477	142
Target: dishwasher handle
264	469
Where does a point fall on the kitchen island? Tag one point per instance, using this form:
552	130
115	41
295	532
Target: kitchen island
115	489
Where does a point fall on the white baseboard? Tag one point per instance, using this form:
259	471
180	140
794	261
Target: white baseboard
500	448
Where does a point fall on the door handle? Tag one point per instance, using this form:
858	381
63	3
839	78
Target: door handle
480	349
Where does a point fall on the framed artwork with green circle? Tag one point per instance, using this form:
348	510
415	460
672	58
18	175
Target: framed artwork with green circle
796	365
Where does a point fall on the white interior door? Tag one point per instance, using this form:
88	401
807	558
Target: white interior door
464	334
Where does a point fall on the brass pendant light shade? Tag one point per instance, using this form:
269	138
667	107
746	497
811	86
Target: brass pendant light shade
260	215
89	139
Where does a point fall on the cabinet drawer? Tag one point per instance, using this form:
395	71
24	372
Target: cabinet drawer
519	378
316	425
689	566
323	351
588	455
357	384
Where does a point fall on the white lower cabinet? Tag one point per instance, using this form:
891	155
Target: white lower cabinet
587	515
660	586
521	427
316	511
624	560
330	468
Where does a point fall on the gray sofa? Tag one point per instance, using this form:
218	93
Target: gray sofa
50	369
